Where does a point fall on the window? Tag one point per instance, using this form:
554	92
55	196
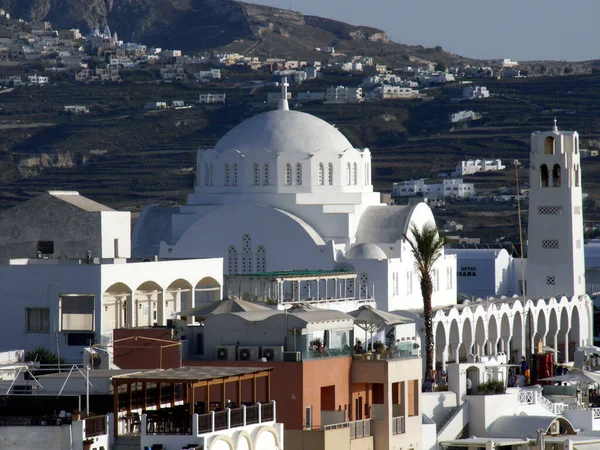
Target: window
330	174
256	174
366	177
266	174
409	283
81	339
550	281
288	174
413	398
348	174
550	243
549	146
364	285
449	278
556	176
576	145
232	260
395	283
227	175
38	320
235	174
208	170
308	418
76	313
116	247
299	174
550	210
321	174
247	255
261	259
354	170
544	177
45	247
577	175
247	242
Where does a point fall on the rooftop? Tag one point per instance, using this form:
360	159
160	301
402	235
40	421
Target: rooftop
191	374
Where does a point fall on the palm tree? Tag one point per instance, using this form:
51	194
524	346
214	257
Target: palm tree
426	246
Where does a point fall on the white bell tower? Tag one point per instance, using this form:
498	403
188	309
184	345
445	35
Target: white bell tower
555	260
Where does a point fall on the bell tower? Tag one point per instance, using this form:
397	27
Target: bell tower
555	260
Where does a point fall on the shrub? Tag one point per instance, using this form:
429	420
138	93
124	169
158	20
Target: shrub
491	388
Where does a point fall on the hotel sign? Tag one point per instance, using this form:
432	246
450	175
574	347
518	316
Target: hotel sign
467	271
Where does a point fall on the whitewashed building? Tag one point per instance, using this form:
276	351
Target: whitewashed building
447	188
472	166
471	92
287	191
341	94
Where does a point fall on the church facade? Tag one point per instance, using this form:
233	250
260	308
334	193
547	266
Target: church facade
285	190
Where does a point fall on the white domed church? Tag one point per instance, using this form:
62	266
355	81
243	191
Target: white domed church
285	190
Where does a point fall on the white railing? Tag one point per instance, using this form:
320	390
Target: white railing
535	397
398	425
358	428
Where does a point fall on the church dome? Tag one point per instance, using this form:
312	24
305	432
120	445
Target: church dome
366	251
284	130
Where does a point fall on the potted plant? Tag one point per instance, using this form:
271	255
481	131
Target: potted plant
379	348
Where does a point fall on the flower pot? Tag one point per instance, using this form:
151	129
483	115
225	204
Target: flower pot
377	356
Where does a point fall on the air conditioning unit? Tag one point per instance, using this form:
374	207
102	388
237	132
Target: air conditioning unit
272	353
292	356
248	353
96	358
225	352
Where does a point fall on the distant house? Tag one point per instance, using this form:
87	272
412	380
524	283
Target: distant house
76	109
447	188
341	94
177	103
205	75
211	98
463	116
37	80
472	166
471	92
311	96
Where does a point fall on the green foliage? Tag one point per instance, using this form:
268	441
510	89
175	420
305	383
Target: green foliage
426	246
43	356
491	388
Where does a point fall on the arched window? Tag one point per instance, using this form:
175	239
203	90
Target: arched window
227	175
298	174
354	174
235	174
577	175
256	174
288	174
261	259
549	145
544	176
348	173
232	260
556	176
330	174
321	174
266	174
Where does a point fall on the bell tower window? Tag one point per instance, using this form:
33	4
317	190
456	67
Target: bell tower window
544	176
549	145
556	176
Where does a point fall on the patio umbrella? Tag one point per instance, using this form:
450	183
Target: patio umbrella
370	319
223	307
583	377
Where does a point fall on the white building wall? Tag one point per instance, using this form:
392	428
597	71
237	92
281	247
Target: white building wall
116	234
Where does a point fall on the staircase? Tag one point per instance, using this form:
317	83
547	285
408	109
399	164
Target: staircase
454	424
127	443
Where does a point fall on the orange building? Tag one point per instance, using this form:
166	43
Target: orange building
336	403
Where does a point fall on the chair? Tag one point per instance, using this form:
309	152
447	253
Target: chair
135	422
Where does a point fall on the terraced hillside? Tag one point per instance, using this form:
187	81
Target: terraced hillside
126	156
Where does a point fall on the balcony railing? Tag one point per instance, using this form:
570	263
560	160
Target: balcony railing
199	424
398	425
358	428
95	426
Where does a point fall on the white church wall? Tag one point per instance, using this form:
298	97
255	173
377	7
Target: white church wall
116	234
482	273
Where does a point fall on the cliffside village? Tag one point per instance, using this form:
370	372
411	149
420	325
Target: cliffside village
66	55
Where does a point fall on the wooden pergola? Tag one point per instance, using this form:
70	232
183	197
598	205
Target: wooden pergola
191	378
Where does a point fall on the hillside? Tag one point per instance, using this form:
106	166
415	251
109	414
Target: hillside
200	25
